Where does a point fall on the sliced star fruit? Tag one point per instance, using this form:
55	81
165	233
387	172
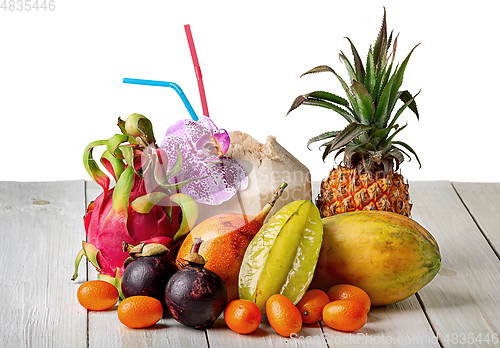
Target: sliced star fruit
282	257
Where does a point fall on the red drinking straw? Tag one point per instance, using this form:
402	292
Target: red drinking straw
197	70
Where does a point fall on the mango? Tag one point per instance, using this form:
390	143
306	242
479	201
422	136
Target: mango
282	256
388	255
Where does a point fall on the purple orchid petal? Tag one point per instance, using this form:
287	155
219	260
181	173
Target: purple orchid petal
222	139
206	148
224	175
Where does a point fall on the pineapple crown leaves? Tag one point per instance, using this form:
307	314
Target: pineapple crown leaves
369	107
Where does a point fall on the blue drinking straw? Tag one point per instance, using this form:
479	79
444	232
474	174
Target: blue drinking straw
166	84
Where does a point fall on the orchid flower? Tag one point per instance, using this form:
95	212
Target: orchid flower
212	147
203	147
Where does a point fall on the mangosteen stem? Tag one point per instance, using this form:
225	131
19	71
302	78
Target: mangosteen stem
194	258
144	249
196	245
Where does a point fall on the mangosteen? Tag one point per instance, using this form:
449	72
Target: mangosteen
147	273
195	296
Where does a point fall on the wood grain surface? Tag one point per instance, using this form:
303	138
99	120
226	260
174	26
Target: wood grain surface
41	230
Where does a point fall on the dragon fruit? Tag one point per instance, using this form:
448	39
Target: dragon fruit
138	208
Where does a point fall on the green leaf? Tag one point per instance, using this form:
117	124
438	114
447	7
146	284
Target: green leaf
328	146
121	193
78	259
113	144
380	43
348	66
160	165
329	97
397	155
381	135
121	125
406	97
370	78
384	80
338	153
318	69
139	126
162	173
394	47
398	80
396	132
91	252
352	100
385	146
358	64
347	135
112	164
344	113
177	165
297	102
401	109
351	149
408	147
377	87
145	203
162	176
178	185
323	99
383	112
365	102
128	154
322	136
92	168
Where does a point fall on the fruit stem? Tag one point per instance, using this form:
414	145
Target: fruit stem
196	245
193	258
277	194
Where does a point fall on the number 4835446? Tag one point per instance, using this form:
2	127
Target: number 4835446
28	5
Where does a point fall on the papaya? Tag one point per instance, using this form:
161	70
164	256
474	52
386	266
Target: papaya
388	255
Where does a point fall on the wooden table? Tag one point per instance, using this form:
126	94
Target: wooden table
41	230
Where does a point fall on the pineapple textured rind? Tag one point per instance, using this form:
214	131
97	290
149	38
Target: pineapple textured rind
345	191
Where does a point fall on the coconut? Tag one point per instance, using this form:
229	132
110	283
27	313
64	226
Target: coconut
267	166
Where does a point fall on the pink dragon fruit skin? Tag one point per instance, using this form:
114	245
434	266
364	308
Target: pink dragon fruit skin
138	208
107	232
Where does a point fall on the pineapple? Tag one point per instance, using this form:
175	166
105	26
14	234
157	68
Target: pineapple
367	178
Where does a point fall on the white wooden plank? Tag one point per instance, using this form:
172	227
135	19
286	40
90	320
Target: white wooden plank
219	335
402	324
483	202
92	191
39	225
105	330
463	301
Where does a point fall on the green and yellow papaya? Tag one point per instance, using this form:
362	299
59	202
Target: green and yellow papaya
388	255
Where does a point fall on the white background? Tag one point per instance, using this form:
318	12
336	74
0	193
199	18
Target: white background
61	76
